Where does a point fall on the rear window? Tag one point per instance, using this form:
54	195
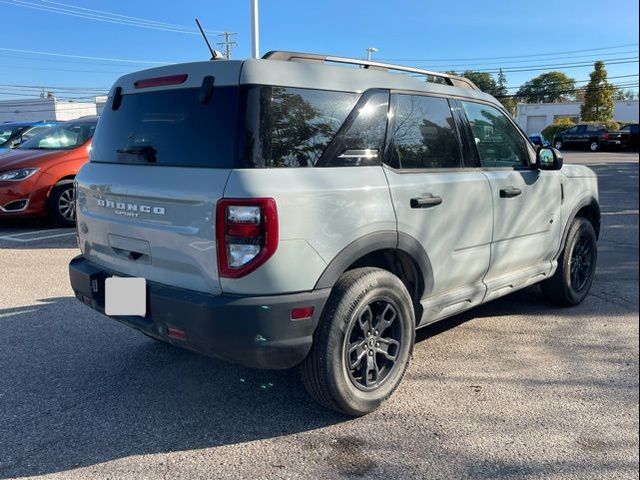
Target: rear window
170	128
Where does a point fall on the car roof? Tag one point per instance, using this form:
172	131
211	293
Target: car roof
29	124
299	70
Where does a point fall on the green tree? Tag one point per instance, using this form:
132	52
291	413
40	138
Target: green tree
598	96
622	94
483	80
547	88
502	93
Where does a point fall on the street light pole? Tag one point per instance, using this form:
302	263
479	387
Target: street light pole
370	50
255	33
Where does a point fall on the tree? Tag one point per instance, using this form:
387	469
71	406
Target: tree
483	80
627	94
547	88
502	93
598	96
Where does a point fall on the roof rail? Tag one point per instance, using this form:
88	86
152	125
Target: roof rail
286	56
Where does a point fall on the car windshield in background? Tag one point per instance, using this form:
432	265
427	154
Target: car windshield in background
61	137
7	133
170	128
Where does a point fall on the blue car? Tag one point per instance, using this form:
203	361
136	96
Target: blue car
14	133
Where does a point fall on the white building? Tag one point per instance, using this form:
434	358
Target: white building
533	117
34	109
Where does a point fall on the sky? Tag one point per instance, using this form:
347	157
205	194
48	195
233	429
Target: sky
430	34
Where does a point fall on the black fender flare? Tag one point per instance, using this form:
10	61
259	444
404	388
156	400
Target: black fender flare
585	202
386	239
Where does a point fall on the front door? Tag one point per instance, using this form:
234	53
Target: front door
526	202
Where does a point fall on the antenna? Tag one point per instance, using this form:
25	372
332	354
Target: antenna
214	54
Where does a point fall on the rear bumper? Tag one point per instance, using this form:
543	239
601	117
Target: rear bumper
253	331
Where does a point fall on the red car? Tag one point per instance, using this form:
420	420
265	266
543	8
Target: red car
36	179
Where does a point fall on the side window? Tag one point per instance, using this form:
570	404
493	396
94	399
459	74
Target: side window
572	130
292	127
424	133
360	141
592	128
33	131
499	143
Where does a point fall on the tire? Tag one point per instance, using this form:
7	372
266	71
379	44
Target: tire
362	299
566	287
558	144
594	146
62	210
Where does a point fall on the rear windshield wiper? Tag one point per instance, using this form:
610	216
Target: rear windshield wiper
143	154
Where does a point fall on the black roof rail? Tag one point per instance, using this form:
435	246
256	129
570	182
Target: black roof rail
286	56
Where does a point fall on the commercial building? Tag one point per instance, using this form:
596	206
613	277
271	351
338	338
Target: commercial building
34	109
533	117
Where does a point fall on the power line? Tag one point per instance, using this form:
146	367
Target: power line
107	17
510	56
535	68
66	55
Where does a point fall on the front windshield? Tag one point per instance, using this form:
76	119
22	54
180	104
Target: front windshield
61	137
7	132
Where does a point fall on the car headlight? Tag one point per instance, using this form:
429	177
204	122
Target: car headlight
19	174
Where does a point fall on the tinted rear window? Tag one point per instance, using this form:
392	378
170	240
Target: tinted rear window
170	127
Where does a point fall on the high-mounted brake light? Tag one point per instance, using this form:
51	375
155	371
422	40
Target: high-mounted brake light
161	81
247	234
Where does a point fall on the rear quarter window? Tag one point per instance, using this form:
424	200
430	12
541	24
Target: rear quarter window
291	127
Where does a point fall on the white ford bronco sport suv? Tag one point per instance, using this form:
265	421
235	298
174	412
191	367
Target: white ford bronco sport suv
313	211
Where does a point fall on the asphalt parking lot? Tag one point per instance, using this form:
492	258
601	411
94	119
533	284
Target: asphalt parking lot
513	389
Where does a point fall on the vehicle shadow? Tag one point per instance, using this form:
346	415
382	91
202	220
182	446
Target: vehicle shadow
79	389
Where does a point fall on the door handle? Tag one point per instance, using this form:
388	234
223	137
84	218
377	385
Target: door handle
510	192
426	201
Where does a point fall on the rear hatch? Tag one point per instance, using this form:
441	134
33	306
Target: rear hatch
161	155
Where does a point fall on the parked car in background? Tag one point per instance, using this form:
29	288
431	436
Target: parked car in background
36	178
593	136
626	137
539	140
13	134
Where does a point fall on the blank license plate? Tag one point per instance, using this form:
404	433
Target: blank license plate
125	296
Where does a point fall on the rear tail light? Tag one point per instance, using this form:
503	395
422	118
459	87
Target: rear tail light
247	234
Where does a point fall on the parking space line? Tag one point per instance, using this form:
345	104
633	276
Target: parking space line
10	238
33	232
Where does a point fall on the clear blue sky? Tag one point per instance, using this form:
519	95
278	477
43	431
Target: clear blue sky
428	33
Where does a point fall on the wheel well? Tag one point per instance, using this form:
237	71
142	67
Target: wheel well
68	177
403	266
591	213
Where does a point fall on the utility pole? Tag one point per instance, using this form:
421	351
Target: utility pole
370	50
228	43
255	33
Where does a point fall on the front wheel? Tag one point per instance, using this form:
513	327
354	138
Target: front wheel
594	146
362	344
558	145
62	204
576	266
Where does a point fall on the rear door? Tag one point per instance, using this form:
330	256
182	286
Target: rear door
440	203
161	155
526	201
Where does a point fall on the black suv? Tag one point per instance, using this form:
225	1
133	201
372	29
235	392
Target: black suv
593	136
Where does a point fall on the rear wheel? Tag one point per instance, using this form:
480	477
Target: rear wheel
363	342
576	266
62	204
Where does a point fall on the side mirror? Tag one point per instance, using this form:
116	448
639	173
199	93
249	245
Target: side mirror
549	158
